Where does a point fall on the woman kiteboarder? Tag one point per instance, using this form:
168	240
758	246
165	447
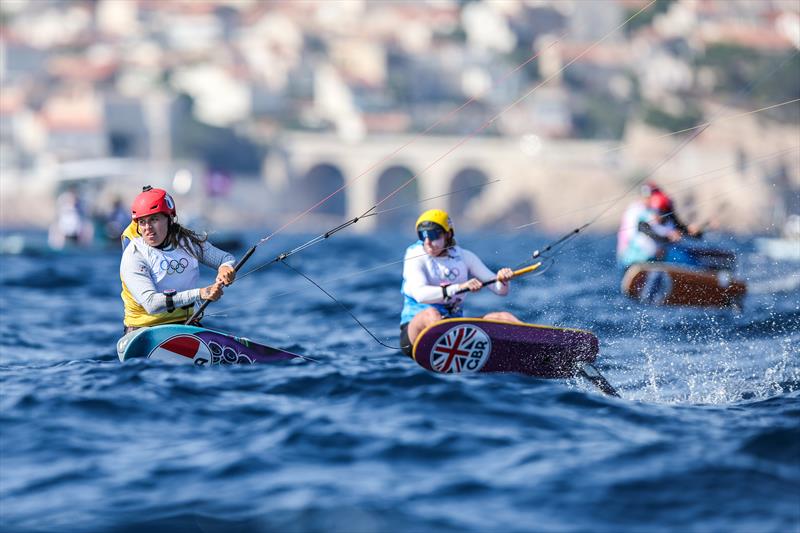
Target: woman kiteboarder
436	273
160	264
650	230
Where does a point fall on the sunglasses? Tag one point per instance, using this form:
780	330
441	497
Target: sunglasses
431	234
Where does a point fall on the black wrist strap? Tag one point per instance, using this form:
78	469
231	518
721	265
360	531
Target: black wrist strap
170	301
444	292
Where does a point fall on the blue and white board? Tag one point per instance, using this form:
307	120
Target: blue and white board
180	344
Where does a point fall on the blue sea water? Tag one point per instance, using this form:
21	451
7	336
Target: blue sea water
706	436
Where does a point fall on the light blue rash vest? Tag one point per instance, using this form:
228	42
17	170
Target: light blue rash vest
424	276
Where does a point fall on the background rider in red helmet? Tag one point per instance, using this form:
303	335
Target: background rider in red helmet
649	226
160	264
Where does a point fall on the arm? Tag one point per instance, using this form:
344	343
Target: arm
135	274
479	270
691	230
648	230
680	226
415	282
214	257
221	260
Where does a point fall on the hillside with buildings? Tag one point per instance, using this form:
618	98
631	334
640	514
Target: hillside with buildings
285	102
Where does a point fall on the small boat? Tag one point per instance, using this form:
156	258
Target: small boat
468	345
779	249
787	246
674	284
192	345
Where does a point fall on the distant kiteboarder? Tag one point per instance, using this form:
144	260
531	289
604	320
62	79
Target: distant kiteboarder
662	266
116	220
72	227
650	230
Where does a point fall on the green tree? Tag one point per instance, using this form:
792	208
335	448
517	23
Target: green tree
747	75
690	117
645	18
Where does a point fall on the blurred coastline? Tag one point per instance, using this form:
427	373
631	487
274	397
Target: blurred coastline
253	112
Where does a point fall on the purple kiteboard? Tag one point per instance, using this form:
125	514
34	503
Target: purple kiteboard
182	344
465	345
460	345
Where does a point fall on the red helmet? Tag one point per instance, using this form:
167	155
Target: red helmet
151	201
660	202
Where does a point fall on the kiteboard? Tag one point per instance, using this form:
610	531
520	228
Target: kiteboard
469	345
672	284
192	345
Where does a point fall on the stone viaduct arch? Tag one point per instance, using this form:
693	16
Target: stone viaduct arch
544	185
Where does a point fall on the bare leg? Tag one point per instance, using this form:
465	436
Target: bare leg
422	320
501	316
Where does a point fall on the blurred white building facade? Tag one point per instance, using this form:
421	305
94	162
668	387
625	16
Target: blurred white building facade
554	90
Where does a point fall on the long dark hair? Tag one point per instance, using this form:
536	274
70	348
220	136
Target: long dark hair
183	237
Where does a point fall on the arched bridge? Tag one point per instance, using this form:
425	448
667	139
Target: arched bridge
535	179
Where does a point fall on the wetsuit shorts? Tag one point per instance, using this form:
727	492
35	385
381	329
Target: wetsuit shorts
406	345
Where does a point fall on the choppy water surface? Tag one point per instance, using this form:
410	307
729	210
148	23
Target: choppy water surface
706	437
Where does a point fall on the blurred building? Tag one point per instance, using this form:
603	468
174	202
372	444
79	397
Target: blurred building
224	83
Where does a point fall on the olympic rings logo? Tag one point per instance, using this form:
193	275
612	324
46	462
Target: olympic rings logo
452	274
225	355
174	266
